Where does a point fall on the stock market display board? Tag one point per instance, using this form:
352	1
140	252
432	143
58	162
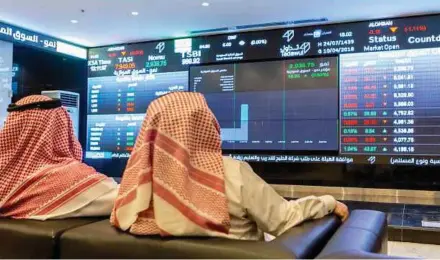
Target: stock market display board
391	102
362	92
266	105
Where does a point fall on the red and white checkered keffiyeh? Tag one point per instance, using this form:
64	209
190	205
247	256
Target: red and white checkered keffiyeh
41	173
174	181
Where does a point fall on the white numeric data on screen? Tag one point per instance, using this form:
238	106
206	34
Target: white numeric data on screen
117	106
132	93
390	102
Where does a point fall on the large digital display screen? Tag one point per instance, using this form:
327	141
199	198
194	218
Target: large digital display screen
275	105
363	92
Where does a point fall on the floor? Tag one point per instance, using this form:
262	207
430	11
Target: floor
415	250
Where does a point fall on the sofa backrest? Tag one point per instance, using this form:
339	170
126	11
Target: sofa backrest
100	240
35	239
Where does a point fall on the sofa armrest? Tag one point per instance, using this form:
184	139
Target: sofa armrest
363	235
308	239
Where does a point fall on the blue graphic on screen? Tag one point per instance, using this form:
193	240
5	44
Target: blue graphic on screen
240	133
275	105
15	78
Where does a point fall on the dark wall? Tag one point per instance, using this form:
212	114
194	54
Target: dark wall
40	70
355	175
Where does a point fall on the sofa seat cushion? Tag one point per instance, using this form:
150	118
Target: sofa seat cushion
34	239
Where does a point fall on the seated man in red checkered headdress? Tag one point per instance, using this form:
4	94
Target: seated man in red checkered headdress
41	171
177	183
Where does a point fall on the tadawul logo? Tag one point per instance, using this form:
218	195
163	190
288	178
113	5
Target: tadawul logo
288	35
160	47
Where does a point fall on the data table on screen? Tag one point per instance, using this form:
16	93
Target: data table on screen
112	135
132	94
390	102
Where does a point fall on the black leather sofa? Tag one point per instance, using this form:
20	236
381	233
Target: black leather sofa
364	235
35	239
95	240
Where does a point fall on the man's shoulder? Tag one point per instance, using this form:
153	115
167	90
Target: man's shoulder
227	160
